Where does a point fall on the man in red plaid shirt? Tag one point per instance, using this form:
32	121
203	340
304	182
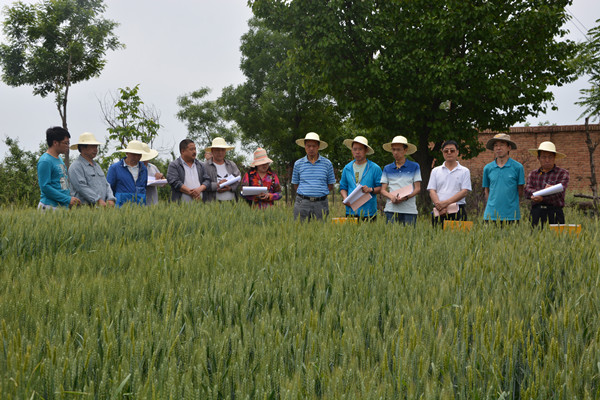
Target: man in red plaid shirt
547	208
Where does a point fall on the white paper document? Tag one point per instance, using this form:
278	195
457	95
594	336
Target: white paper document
550	190
230	181
253	190
357	198
451	209
152	181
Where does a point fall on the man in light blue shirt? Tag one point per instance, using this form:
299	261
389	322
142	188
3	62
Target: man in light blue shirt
401	175
503	181
364	172
312	180
88	182
52	173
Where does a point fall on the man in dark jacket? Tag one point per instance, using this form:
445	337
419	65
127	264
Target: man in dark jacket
186	175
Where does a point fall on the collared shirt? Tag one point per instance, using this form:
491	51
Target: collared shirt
191	180
503	183
53	181
313	179
88	182
447	183
538	179
396	178
270	181
152	191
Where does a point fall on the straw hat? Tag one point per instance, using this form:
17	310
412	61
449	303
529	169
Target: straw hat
260	157
150	153
219	143
135	147
312	136
549	147
400	140
500	137
362	140
84	139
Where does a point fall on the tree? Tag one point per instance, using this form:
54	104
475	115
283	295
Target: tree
18	174
204	119
55	44
428	70
128	118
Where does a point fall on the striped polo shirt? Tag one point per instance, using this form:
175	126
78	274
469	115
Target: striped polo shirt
312	179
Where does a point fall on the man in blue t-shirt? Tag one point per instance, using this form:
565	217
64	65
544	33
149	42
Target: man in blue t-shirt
312	180
362	172
503	181
52	173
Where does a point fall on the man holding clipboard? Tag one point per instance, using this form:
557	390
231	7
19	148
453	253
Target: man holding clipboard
547	208
401	182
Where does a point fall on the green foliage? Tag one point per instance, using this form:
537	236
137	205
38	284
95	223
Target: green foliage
54	44
128	118
392	64
18	174
145	303
588	62
204	119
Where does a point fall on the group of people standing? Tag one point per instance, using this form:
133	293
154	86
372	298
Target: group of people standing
217	179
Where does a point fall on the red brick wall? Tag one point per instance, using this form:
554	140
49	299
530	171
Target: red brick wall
569	139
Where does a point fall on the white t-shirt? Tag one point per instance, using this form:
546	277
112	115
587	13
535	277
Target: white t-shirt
447	183
223	174
135	171
191	180
358	171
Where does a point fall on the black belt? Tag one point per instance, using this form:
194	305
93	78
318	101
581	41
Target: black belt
545	206
311	198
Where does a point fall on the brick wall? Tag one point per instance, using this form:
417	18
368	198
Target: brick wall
569	139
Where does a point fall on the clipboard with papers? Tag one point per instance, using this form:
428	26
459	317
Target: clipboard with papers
357	198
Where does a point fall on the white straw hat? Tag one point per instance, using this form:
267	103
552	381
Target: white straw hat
134	147
150	153
411	148
219	143
362	140
260	157
86	138
312	136
549	147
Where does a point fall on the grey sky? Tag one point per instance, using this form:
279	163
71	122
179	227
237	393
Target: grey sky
179	46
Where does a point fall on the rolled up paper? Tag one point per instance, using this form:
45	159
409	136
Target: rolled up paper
230	181
550	190
253	190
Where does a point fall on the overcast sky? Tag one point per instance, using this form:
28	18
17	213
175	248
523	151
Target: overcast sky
176	47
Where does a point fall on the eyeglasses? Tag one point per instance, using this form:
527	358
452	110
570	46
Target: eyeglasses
450	151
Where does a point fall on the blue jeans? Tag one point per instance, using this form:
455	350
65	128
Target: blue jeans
410	219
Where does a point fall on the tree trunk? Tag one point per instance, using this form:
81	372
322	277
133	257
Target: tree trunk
591	145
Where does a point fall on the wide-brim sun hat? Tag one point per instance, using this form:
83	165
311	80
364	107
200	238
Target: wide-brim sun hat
411	148
134	147
260	157
549	147
500	137
86	138
218	143
312	136
361	140
150	153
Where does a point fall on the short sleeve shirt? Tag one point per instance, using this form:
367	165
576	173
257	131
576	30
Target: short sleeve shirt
447	183
397	178
313	179
503	183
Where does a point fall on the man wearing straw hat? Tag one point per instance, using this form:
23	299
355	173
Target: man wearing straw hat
503	181
219	171
87	179
128	176
52	173
187	175
547	208
312	180
153	172
401	176
364	172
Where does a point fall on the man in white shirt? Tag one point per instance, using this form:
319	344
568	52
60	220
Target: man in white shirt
186	175
449	184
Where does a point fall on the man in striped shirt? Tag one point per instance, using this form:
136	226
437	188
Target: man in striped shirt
312	180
